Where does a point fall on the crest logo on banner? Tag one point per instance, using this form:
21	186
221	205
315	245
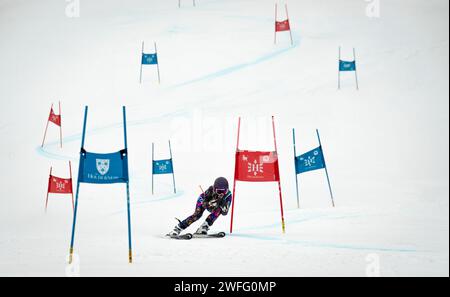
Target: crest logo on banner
57	185
257	166
310	161
161	167
149	59
60	185
55	119
347	66
282	26
102	166
97	168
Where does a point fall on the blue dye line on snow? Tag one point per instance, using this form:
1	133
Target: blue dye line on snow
238	67
149	201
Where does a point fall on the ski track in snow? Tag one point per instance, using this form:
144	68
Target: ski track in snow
179	194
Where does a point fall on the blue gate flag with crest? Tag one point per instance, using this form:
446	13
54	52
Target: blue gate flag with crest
347	66
149	59
312	160
103	168
163	167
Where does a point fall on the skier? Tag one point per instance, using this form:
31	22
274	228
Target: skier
216	199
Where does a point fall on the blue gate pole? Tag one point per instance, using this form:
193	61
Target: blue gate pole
356	70
130	250
339	70
295	168
326	170
173	170
142	54
157	64
72	241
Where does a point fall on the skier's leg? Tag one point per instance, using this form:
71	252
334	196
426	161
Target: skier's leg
199	210
204	228
213	217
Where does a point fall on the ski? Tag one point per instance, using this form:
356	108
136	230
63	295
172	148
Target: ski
186	236
211	235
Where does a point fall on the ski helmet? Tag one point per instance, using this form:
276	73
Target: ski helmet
221	183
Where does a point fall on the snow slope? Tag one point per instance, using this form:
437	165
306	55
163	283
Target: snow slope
386	145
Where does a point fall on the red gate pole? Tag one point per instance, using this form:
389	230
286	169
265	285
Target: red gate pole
60	124
46	127
279	179
234	182
289	22
275	39
48	189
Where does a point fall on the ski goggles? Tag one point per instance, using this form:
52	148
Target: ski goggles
221	191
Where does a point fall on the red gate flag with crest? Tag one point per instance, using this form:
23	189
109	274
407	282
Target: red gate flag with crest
257	166
55	119
58	185
282	26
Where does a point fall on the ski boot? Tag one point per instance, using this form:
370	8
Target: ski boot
176	230
203	229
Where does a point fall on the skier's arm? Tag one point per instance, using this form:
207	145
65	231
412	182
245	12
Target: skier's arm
206	197
226	204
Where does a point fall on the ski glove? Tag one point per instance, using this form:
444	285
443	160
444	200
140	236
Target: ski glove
213	204
224	209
